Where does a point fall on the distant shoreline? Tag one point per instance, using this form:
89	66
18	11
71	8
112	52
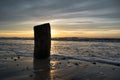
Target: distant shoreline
69	39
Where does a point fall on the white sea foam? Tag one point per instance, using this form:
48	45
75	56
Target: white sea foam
89	59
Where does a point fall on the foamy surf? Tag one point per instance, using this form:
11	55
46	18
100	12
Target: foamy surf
89	59
102	52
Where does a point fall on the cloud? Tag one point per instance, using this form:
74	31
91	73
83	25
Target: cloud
76	14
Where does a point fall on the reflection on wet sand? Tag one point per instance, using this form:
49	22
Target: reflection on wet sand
42	69
53	70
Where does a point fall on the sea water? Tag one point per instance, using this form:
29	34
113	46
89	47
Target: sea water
105	52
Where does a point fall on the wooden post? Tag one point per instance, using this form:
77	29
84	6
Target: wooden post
42	40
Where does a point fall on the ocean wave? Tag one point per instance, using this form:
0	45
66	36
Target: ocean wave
89	59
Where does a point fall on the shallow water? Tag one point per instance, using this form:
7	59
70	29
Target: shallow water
98	51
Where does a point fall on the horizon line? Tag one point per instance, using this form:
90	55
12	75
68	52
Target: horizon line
69	37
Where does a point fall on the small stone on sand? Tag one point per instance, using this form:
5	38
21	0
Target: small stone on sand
31	75
15	59
76	64
18	57
94	62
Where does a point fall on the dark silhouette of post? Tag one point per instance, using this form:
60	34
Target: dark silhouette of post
42	40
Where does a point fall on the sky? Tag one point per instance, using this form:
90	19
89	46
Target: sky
68	18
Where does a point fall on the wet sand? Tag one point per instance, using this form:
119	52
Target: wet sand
26	68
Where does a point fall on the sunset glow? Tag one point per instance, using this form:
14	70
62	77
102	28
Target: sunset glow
76	18
54	33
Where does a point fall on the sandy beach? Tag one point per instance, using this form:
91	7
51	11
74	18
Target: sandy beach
68	61
26	68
